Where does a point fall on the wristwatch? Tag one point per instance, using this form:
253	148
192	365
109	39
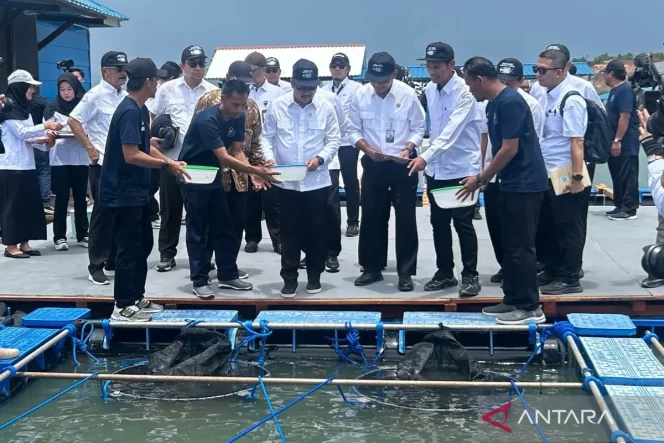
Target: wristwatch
164	165
320	160
577	177
617	140
480	181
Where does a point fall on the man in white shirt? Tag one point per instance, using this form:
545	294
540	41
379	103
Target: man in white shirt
178	99
510	73
273	74
89	122
345	89
562	219
453	155
267	201
301	128
386	121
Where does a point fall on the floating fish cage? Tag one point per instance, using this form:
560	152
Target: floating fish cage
210	354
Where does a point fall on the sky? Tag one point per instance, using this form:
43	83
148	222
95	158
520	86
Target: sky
161	29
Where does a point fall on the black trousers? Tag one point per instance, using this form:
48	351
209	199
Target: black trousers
384	183
155	178
442	233
209	222
237	206
134	241
170	200
257	203
492	209
519	264
102	248
66	179
303	223
333	229
625	176
348	156
561	234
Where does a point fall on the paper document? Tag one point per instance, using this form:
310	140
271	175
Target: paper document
562	175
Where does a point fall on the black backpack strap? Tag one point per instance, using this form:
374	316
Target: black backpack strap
562	103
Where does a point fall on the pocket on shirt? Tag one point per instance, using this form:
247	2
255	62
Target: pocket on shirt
399	120
315	125
369	119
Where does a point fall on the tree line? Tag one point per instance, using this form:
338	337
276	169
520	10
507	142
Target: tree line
603	58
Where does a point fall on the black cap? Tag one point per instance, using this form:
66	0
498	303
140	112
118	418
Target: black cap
380	67
240	70
114	58
439	51
272	62
340	57
192	53
172	70
561	48
510	70
305	73
615	66
256	59
140	68
401	72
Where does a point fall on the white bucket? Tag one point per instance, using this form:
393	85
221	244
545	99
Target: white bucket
290	173
200	175
446	198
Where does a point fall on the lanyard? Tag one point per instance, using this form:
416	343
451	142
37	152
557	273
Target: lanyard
340	88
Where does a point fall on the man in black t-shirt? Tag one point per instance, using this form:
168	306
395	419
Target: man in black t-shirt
216	137
124	189
518	162
621	110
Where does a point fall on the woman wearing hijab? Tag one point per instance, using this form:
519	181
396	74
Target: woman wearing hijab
69	166
21	210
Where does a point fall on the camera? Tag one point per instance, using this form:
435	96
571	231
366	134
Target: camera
647	75
65	65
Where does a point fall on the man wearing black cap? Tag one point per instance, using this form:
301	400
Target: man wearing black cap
386	119
519	164
346	160
263	93
301	127
621	109
453	155
273	74
89	122
124	190
178	99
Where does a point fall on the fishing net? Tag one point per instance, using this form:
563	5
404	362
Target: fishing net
439	356
195	352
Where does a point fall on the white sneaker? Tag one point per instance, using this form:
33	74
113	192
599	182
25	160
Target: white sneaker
61	245
149	307
156	224
131	313
84	243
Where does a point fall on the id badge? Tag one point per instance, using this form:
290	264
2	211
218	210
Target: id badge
389	136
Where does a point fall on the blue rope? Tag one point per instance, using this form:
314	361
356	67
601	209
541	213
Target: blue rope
353	347
615	434
81	344
44	403
192	323
559	329
279	411
253	335
530	414
269	405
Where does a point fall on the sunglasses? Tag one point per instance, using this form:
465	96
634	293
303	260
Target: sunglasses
306	88
192	63
272	70
116	68
338	66
541	70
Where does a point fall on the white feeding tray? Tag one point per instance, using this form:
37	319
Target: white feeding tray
290	173
446	198
200	175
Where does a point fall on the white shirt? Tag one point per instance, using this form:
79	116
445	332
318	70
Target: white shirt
456	123
286	86
343	123
655	170
372	118
95	111
177	99
345	92
67	151
555	141
582	86
264	95
19	155
295	135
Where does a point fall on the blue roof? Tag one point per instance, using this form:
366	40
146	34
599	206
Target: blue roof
420	72
97	7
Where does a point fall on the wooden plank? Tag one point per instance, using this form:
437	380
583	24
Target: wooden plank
451	307
606	191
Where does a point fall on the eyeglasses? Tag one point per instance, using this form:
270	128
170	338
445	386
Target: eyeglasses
542	70
272	70
338	65
116	68
305	88
193	63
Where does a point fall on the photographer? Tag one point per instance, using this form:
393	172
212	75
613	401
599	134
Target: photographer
654	149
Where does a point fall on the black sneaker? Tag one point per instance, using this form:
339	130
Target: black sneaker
242	275
236	284
165	264
109	270
652	282
405	284
498	310
204	292
288	291
620	216
251	247
581	274
438	284
559	287
612	211
477	215
313	286
303	263
332	264
99	278
61	245
520	317
368	278
352	230
545	278
497	277
277	248
48	209
470	287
